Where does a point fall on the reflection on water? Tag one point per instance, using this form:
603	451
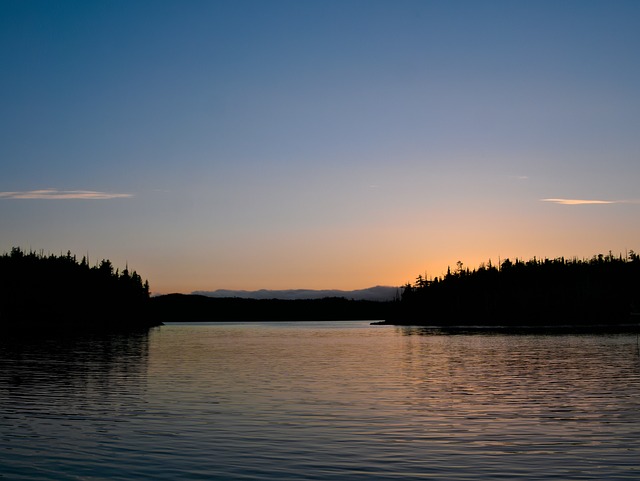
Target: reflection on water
319	401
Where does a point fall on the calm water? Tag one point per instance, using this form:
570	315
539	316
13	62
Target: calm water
320	401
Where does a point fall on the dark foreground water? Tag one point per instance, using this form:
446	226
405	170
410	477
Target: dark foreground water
319	401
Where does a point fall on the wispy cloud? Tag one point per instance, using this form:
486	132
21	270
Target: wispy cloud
583	201
54	194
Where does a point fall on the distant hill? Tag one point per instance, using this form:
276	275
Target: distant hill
197	308
377	293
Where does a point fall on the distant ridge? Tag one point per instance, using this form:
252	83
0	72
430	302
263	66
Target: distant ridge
377	293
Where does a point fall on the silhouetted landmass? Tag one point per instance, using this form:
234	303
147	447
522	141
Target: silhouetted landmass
198	308
60	293
377	293
602	291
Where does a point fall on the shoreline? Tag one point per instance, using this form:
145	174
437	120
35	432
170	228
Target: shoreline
617	328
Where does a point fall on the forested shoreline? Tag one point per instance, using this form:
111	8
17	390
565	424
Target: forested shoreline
59	292
603	290
198	308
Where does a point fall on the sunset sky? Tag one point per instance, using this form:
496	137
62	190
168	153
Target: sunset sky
318	144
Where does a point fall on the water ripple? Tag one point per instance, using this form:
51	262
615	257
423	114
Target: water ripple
309	401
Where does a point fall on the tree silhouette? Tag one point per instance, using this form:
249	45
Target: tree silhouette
602	290
58	291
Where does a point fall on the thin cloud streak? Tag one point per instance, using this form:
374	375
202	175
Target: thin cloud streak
54	194
583	201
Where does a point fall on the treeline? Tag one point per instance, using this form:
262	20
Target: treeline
198	308
603	290
60	291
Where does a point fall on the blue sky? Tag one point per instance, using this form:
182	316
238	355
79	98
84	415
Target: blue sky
333	144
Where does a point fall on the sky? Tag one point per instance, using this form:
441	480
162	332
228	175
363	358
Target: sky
318	144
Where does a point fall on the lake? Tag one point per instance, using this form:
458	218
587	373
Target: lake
315	401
